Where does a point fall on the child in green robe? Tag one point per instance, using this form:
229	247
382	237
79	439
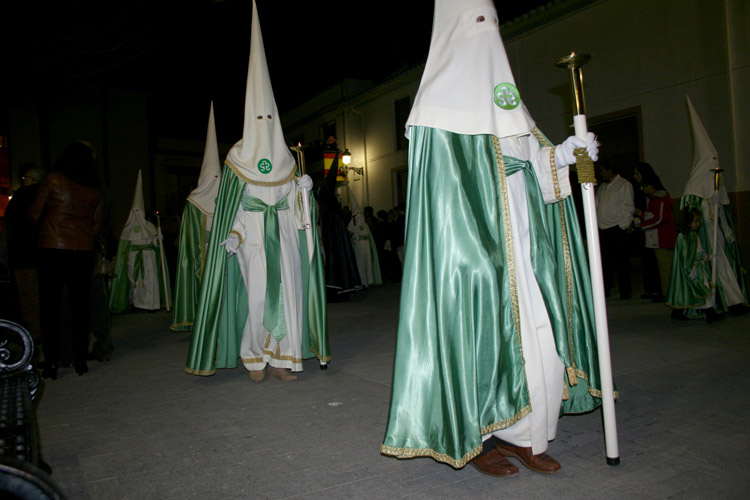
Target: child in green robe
690	292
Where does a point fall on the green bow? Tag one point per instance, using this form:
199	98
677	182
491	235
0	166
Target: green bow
273	259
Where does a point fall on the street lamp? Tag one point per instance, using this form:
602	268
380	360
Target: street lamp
346	157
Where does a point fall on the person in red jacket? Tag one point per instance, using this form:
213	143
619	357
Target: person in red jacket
659	228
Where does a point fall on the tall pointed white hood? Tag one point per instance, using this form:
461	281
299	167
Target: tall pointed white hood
137	227
204	196
467	86
701	180
261	154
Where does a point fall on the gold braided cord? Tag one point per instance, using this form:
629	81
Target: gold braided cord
553	172
204	373
567	260
504	424
585	167
260	183
428	452
442	457
502	181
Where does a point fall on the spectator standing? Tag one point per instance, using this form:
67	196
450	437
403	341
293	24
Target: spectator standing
615	209
69	210
649	267
659	229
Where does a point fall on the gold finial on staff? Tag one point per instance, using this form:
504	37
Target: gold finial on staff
573	63
716	172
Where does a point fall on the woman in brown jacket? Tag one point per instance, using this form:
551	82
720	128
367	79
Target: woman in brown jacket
69	211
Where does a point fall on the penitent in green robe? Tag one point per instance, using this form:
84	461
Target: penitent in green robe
731	248
459	370
120	289
691	275
191	258
686	292
222	303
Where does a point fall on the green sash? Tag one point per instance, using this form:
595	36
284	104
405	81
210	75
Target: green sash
138	262
273	259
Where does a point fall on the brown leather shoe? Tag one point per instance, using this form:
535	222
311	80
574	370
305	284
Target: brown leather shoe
281	374
494	464
257	376
541	463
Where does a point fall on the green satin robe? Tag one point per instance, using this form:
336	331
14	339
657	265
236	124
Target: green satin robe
731	250
190	261
222	303
691	274
119	295
459	370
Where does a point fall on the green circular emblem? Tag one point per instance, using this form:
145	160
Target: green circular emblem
507	96
137	229
264	166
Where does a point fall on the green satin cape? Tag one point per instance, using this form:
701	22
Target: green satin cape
222	303
458	370
119	296
375	262
576	341
190	260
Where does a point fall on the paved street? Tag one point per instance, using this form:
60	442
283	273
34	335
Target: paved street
139	427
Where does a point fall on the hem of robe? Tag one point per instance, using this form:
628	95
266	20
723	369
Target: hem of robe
693	306
597	393
202	373
273	359
181	327
408	452
581	404
317	355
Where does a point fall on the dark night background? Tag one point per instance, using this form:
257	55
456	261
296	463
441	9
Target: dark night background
185	53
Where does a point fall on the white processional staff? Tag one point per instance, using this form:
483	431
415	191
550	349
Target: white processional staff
160	239
715	203
586	177
305	201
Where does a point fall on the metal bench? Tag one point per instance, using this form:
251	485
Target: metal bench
23	474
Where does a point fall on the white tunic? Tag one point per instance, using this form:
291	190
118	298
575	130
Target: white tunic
258	347
543	367
145	287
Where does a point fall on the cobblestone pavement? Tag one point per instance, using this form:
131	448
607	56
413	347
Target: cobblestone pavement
139	427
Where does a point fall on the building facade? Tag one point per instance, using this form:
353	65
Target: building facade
646	58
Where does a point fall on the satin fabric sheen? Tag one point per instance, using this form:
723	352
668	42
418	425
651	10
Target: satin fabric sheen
458	370
222	304
190	261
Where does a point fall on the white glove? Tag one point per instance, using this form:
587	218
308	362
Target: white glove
715	198
305	182
232	244
564	152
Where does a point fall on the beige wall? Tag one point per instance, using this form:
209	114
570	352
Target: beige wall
646	55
